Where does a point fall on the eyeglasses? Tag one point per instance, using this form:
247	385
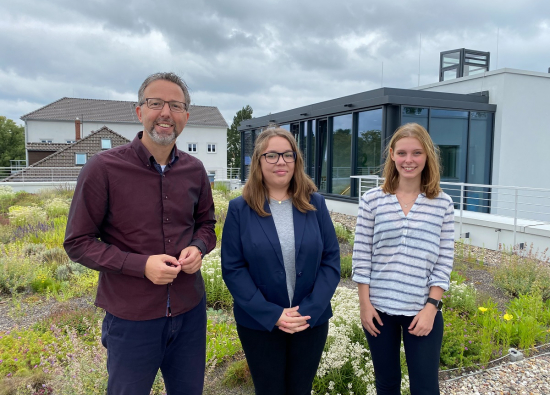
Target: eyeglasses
158	104
273	157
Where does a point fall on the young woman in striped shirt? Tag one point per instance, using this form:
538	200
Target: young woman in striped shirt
402	261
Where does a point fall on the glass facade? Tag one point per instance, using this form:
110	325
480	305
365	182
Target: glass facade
349	140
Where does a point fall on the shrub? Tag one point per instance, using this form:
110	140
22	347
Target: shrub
7	197
217	294
345	266
220	202
342	233
235	193
522	275
57	207
55	255
26	215
237	374
461	297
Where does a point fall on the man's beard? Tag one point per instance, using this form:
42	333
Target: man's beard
165	139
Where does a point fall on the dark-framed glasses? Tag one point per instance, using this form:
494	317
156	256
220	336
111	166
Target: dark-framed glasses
273	157
158	104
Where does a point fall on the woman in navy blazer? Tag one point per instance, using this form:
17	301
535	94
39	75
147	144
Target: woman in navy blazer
282	265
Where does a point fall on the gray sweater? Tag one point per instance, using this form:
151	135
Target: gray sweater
284	223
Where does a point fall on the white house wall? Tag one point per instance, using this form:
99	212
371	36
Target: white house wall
61	131
202	136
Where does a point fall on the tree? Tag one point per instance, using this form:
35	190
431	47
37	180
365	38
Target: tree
12	141
234	137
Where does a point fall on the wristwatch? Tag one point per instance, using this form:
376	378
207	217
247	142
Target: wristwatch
437	303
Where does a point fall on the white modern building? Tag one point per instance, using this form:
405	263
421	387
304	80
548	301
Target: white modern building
490	127
67	120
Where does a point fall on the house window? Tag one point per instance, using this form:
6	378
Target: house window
105	143
192	147
80	158
211	148
46	141
70	141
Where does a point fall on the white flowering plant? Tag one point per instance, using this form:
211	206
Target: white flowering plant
57	207
346	365
217	294
26	215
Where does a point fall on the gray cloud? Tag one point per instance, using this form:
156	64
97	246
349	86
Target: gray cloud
273	55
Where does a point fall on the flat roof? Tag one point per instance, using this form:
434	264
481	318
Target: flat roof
374	98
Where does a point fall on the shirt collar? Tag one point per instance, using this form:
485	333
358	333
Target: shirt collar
146	157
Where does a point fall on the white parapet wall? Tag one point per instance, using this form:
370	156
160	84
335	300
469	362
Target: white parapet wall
34	187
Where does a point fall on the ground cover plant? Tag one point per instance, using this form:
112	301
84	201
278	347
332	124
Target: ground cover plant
62	354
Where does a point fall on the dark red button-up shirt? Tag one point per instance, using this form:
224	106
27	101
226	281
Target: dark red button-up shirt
123	211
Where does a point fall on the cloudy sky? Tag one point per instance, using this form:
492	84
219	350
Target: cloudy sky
272	55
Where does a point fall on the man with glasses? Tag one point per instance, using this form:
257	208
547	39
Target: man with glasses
143	216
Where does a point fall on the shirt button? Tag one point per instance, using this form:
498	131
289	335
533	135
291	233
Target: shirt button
166	197
168	240
166	219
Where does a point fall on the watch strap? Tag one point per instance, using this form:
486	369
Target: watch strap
437	303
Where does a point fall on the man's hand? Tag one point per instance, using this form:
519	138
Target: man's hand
291	321
423	322
162	269
190	260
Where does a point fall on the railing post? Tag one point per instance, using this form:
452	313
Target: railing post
515	215
461	207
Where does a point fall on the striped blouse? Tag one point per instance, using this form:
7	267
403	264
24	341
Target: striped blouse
401	256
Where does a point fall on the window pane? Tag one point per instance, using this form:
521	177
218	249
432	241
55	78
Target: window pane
285	126
414	114
450	74
303	126
322	152
479	161
80	158
313	149
369	143
105	143
449	130
247	151
341	155
451	59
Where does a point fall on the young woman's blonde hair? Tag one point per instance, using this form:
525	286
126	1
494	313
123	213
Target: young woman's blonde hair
429	183
301	186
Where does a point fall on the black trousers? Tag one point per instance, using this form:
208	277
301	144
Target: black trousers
422	354
282	363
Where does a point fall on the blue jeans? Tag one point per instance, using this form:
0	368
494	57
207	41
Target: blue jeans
421	352
137	349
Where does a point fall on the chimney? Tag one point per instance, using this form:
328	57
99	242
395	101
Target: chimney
77	129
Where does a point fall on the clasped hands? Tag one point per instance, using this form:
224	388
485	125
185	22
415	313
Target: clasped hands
291	321
163	269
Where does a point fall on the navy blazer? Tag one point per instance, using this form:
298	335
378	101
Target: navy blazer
253	267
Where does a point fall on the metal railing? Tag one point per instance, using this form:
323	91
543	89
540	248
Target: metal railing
233	173
45	174
40	174
518	203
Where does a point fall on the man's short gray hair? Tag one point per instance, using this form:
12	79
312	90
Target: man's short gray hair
172	77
